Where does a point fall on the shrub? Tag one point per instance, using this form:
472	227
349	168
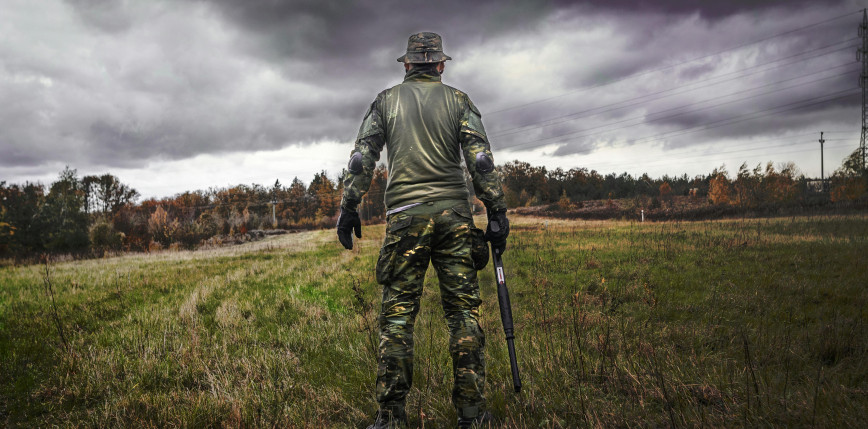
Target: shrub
848	189
190	234
665	191
564	203
161	229
103	235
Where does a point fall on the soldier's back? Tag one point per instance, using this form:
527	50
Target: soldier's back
422	122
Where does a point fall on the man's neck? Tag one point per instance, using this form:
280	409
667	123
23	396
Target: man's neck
422	73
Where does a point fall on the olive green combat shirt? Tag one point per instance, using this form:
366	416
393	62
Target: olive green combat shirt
425	125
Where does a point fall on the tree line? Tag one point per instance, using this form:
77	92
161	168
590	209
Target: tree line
763	185
100	213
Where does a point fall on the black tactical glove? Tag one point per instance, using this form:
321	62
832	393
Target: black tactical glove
497	230
347	222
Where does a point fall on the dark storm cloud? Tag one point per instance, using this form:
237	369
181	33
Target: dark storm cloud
136	81
354	44
707	9
172	88
349	31
654	68
112	16
337	34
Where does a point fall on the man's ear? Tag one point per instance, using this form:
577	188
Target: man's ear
406	66
441	66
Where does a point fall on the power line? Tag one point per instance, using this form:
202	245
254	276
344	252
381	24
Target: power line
718	154
694	159
644	118
743	148
675	154
531	125
749	117
673	65
862	56
840	146
733	120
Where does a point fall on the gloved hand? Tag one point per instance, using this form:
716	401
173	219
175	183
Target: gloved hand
347	222
497	230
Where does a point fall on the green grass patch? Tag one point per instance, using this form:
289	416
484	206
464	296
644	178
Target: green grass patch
721	323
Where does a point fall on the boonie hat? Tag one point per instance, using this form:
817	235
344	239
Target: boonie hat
424	48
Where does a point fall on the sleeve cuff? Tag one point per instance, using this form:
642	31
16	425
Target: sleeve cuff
496	206
348	204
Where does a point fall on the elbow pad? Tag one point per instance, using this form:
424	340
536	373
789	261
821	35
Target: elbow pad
484	164
355	164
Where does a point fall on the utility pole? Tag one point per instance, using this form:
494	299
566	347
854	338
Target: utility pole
862	55
822	176
274	213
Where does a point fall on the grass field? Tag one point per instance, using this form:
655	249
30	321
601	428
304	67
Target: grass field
724	323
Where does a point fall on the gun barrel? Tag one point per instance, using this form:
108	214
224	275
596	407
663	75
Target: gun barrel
513	364
506	317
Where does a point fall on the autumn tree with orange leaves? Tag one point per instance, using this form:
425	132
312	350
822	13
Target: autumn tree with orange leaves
849	182
719	187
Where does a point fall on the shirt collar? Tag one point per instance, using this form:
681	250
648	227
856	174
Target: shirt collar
423	74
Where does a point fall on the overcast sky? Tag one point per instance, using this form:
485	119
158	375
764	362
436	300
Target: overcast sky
175	95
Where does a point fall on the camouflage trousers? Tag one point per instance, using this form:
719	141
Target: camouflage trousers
439	232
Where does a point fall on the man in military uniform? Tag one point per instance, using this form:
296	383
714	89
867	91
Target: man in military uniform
426	127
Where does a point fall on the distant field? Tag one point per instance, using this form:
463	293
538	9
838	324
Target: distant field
757	322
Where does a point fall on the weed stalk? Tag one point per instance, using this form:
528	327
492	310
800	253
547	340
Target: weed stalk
49	290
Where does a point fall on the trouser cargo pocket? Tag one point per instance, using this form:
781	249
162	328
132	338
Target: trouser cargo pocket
478	249
395	231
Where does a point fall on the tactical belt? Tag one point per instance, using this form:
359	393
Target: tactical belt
402	208
429	207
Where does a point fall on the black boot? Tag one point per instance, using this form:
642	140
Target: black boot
389	420
483	420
